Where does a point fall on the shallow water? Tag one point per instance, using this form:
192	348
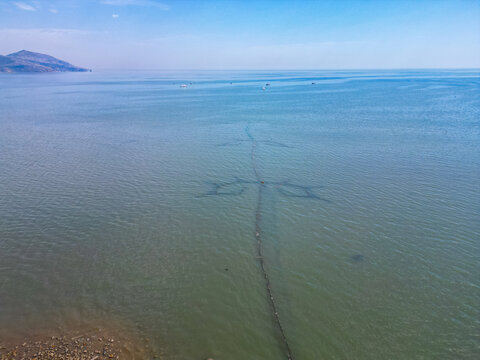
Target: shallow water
126	197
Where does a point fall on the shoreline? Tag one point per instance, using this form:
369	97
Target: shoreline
91	346
80	343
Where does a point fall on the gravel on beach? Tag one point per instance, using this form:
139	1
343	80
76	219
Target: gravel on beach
81	347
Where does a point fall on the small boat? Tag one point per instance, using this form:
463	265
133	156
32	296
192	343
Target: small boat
263	88
183	86
267	84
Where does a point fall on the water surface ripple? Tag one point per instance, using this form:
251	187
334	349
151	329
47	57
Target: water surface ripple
129	202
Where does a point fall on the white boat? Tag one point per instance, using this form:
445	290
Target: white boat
183	86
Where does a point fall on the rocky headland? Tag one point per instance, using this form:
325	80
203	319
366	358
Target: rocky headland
27	61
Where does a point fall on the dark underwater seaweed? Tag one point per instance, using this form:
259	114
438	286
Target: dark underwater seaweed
357	258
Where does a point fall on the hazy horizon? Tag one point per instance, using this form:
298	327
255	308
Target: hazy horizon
232	35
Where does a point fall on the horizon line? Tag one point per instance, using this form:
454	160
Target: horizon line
286	69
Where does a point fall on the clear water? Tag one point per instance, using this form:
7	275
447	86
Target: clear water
124	198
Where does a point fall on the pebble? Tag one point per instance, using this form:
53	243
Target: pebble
59	347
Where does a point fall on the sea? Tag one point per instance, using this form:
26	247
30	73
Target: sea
246	215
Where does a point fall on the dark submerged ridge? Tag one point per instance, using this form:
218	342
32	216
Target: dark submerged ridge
286	188
261	259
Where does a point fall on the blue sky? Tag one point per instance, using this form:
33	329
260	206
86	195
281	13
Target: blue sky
250	34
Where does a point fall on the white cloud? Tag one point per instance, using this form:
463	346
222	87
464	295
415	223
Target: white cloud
44	32
53	11
115	16
23	6
151	3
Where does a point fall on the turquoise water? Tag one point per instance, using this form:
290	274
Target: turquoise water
124	199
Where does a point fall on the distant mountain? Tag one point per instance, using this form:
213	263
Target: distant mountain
27	61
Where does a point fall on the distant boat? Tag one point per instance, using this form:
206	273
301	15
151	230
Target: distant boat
183	86
263	88
267	84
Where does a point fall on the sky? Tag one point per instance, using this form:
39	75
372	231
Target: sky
248	34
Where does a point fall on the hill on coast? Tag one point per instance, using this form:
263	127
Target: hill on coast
27	61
